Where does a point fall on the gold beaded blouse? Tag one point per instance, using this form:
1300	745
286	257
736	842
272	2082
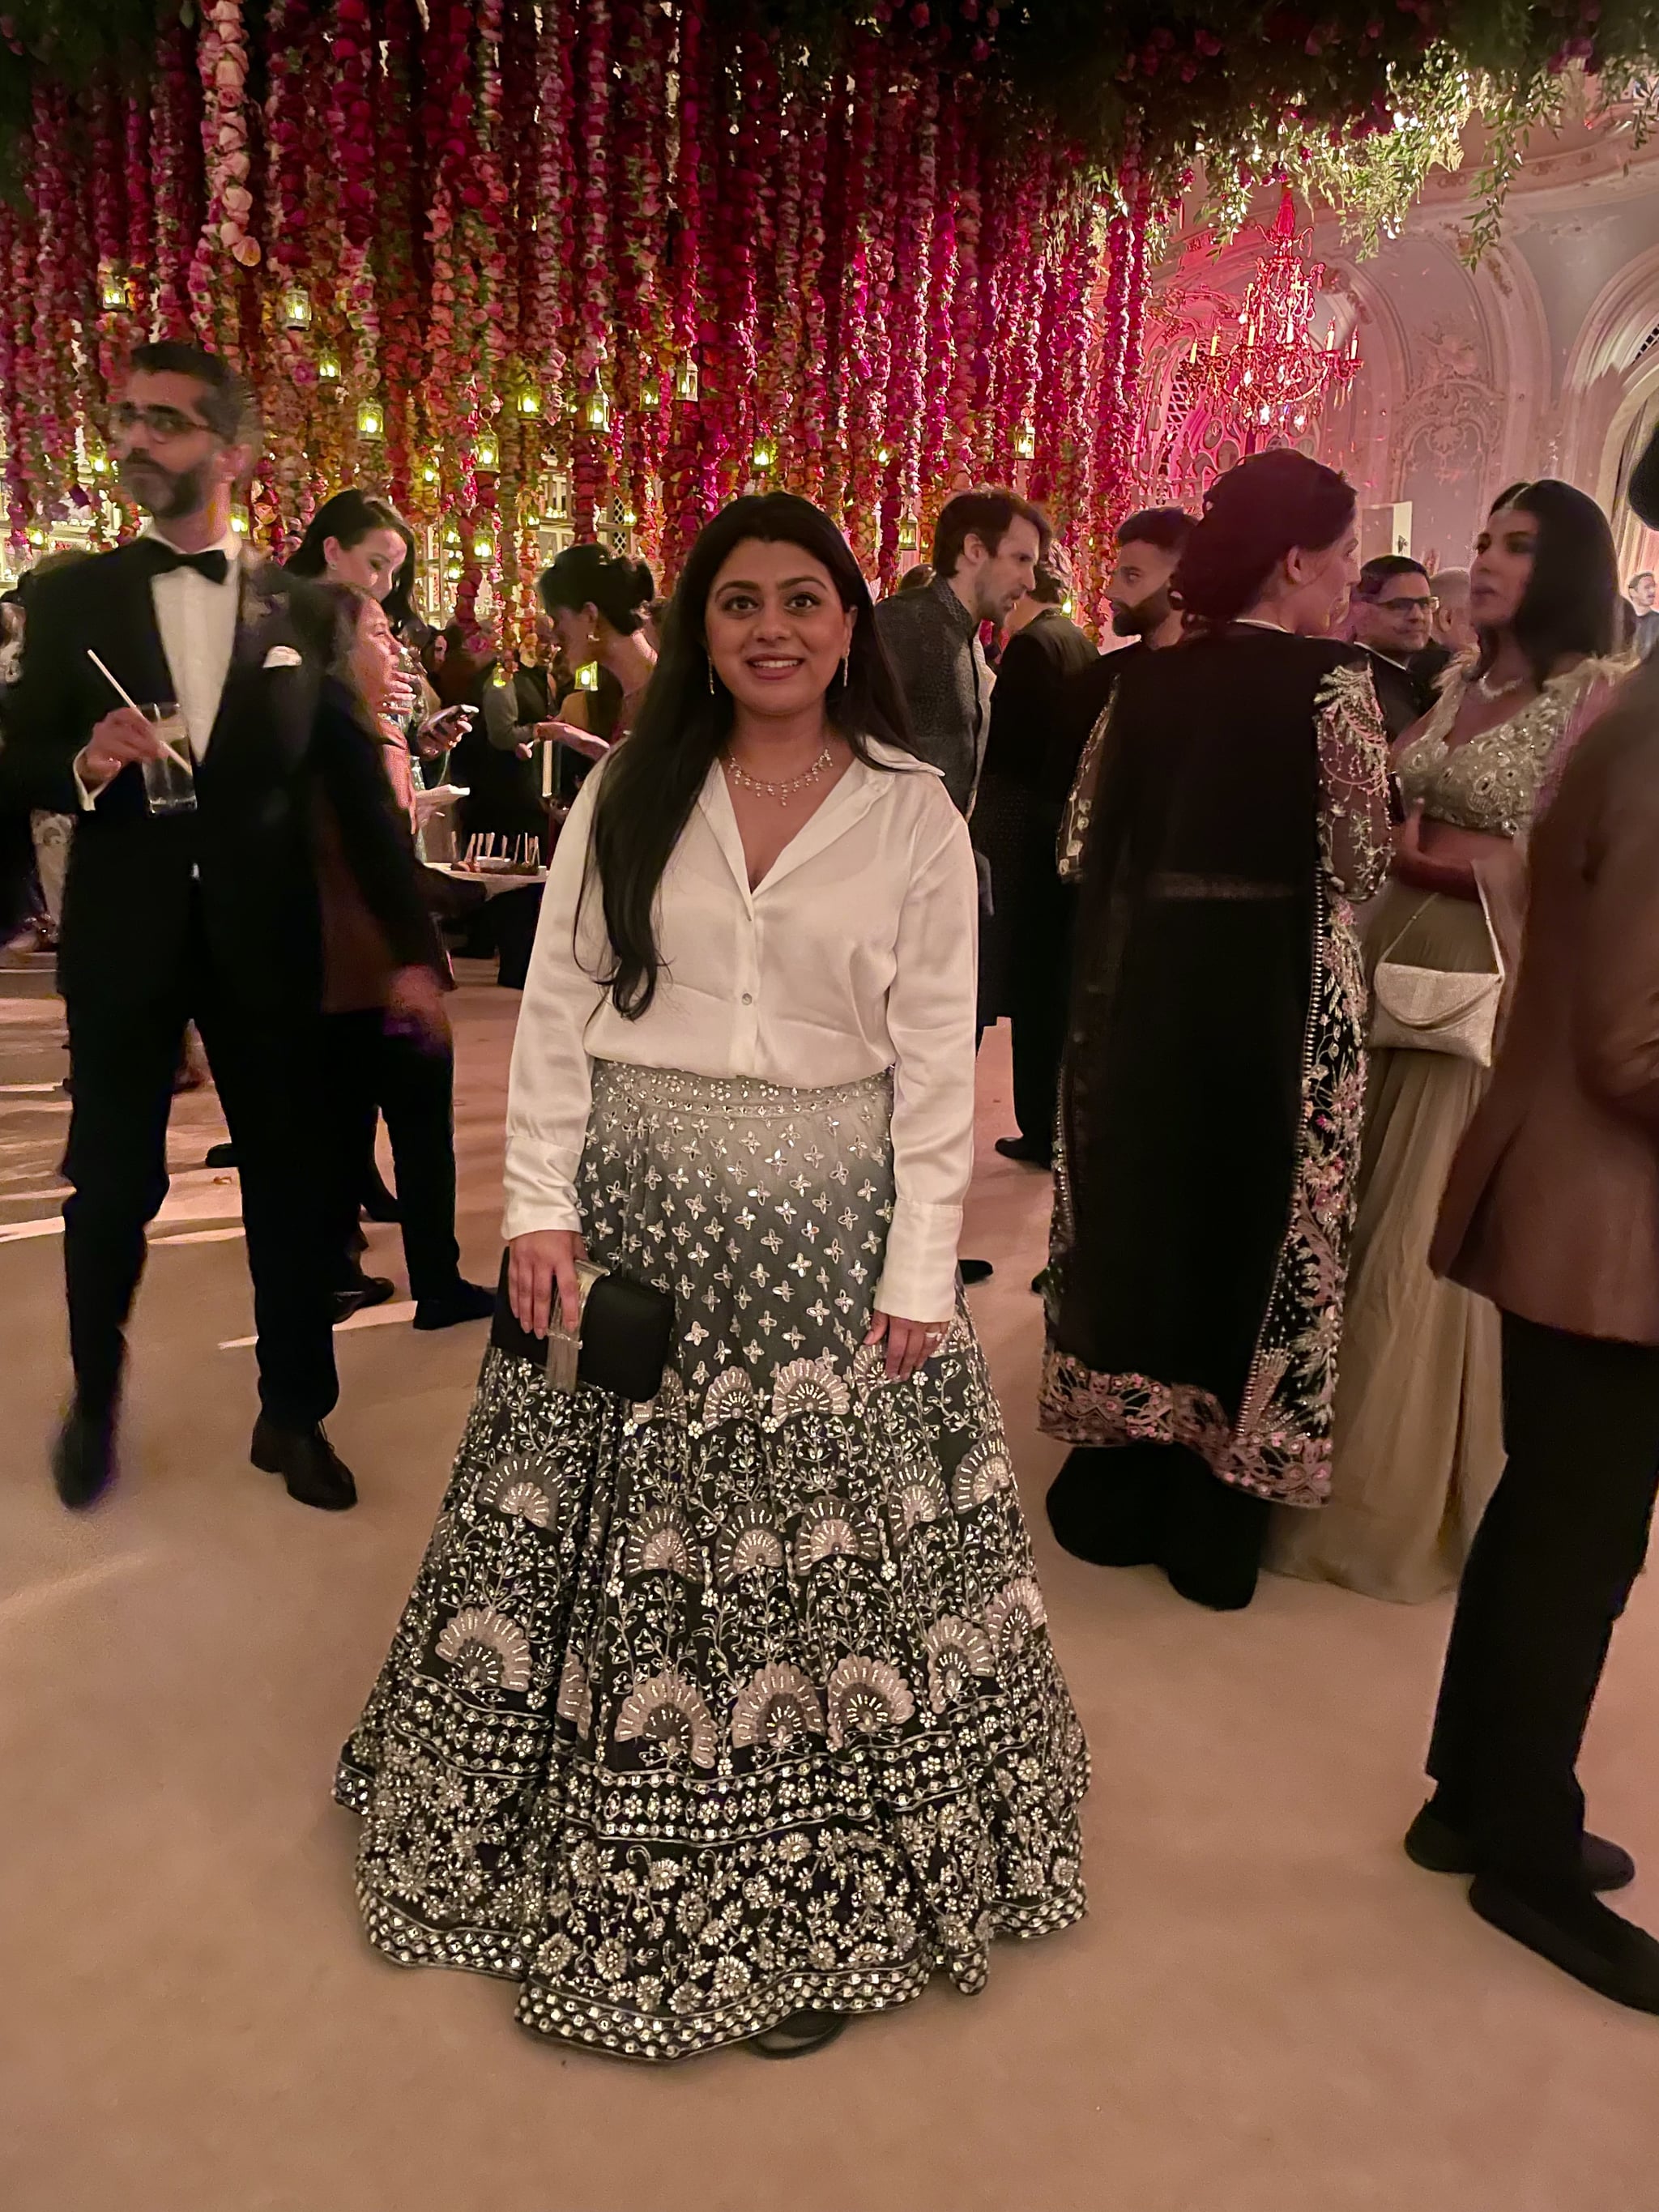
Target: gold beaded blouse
1493	782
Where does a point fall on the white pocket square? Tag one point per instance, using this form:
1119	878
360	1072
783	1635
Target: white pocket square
282	656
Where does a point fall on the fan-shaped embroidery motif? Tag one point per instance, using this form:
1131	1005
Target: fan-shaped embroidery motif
1015	1614
809	1386
486	1649
957	1651
659	1544
670	1711
867	1696
984	1471
730	1397
775	1708
747	1546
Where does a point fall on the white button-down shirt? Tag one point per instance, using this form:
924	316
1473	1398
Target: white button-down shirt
196	622
856	953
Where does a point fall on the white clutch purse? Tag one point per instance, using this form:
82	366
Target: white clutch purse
1431	1009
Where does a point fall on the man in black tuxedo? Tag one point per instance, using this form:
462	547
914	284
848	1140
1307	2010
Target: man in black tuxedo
208	915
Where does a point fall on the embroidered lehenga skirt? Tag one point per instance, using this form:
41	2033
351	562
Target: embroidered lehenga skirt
705	1710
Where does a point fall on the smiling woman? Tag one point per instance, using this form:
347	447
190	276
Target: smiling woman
744	1072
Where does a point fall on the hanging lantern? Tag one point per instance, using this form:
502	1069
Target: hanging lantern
685	382
530	403
113	293
486	453
369	422
629	518
482	549
328	369
762	456
596	408
587	676
908	535
296	308
1025	443
428	474
651	394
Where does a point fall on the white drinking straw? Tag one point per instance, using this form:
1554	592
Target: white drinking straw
127	699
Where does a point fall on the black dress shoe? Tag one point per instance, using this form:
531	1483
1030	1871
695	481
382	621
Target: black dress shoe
379	1204
83	1457
1026	1151
1610	1955
314	1471
1433	1844
462	1301
975	1271
367	1290
219	1156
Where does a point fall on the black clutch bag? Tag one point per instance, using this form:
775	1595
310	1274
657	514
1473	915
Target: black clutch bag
623	1345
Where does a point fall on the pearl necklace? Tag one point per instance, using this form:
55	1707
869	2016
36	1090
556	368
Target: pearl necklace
781	792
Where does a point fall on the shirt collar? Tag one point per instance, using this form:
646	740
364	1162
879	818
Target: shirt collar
230	544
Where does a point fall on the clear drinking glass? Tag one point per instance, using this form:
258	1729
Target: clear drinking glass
169	782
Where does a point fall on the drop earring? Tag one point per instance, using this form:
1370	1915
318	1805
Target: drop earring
845	665
711	679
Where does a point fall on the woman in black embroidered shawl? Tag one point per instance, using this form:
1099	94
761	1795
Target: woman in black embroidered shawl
1210	1104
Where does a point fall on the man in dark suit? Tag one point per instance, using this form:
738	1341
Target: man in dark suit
1552	1211
1022	937
1392	616
208	913
1149	545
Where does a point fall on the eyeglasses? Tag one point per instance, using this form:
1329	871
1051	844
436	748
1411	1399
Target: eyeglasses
164	424
1406	606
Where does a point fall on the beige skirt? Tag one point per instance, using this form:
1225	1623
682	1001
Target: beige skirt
1418	1440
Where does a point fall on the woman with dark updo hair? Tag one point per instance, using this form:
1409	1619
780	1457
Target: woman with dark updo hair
600	606
1210	1098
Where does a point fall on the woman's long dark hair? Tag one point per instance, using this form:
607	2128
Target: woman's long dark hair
1570	605
1252	517
652	782
348	517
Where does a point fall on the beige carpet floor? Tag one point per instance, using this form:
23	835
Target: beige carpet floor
1267	2009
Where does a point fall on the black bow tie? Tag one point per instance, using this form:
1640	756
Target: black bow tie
163	559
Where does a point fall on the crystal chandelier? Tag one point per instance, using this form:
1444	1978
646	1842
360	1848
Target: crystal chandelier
1274	378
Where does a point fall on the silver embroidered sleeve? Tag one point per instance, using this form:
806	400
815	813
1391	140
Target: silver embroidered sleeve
1080	804
1356	841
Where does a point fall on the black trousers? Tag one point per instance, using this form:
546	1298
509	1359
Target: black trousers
1042	968
123	1055
1551	1566
369	1073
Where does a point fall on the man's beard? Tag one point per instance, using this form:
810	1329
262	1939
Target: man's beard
1143	618
185	492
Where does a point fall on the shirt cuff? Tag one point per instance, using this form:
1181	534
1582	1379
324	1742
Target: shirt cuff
525	1216
918	1277
88	797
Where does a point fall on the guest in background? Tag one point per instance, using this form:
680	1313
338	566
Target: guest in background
208	910
374	1061
1552	1213
1023	940
987	545
918	578
1453	633
596	603
1419	1436
1392	616
1643	590
1139	591
1209	1094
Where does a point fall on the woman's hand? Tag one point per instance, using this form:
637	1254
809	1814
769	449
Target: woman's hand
442	732
909	1343
567	733
538	1264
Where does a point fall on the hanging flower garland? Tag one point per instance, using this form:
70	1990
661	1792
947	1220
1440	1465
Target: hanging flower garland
16	258
591	449
683	510
906	380
808	381
223	247
402	352
175	159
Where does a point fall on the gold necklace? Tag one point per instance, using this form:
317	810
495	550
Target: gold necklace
781	792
